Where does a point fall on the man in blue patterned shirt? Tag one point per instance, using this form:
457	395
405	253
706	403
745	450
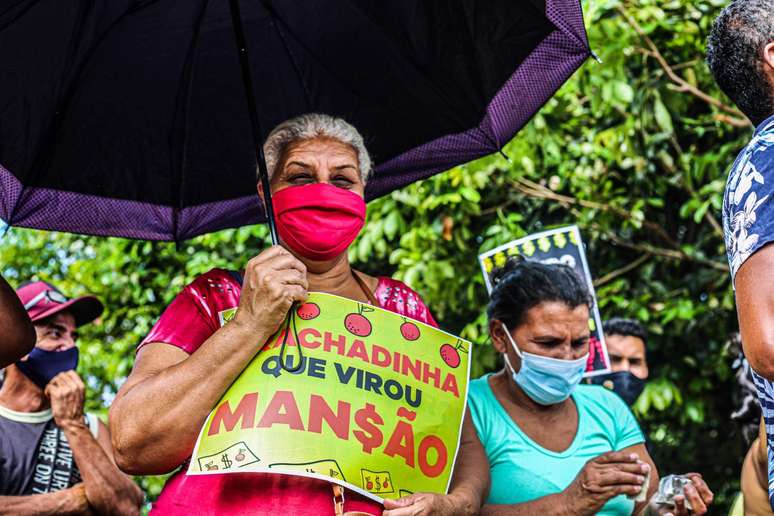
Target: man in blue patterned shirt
740	53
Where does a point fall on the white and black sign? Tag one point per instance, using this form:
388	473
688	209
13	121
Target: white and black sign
565	246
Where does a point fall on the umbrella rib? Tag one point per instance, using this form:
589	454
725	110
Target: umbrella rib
438	93
442	99
276	21
179	137
18	15
49	134
40	159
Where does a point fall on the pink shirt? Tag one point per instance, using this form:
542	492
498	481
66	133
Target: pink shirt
187	322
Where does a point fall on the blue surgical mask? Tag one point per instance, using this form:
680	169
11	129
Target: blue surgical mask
42	366
547	381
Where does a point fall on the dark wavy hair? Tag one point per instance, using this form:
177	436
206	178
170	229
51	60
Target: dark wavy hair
625	328
734	48
523	284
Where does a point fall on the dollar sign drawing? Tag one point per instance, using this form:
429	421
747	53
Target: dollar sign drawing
370	436
226	462
378	483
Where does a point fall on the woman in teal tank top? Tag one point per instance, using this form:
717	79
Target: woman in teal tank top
554	446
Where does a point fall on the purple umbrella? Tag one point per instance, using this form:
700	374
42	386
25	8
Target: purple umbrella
128	118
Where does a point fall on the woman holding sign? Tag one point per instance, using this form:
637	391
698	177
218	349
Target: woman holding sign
318	167
555	446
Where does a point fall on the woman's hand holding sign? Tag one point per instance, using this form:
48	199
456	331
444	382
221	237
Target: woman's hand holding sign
273	281
162	373
427	504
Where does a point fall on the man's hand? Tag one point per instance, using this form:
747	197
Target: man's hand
66	393
698	495
67	502
78	499
425	504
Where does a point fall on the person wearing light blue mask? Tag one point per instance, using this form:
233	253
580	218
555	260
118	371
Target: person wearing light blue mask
556	446
546	380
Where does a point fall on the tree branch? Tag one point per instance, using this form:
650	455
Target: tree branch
610	276
537	190
666	253
533	189
736	118
736	122
714	223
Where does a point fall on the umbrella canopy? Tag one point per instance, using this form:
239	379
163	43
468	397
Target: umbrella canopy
128	118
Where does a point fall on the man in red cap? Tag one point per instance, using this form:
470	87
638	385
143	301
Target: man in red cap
55	458
17	337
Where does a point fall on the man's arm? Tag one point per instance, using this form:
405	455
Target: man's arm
107	489
17	336
755	477
66	502
755	308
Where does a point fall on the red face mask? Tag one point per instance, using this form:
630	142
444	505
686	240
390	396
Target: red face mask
318	221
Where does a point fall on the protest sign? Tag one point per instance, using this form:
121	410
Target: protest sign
376	404
562	245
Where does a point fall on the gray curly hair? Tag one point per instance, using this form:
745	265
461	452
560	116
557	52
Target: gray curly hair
734	51
310	126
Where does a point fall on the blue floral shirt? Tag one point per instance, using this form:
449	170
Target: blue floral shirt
748	225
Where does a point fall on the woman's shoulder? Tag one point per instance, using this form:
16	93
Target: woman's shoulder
598	394
396	296
479	387
601	401
394	286
217	279
610	415
481	398
203	306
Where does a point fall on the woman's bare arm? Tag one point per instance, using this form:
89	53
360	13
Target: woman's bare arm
157	414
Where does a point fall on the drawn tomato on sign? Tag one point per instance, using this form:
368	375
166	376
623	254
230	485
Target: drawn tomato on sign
240	456
451	354
211	467
357	324
308	311
409	330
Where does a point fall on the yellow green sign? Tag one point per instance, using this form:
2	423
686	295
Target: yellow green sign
375	403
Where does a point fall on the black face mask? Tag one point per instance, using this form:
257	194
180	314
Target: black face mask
42	366
623	383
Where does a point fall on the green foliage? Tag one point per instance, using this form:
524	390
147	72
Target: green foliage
634	157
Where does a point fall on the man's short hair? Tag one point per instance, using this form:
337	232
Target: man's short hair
734	55
625	328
